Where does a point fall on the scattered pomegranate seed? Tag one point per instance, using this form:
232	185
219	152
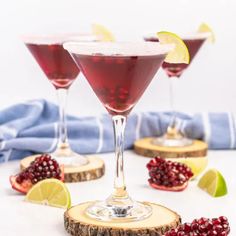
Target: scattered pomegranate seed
202	227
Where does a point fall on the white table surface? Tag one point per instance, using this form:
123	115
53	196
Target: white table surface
21	218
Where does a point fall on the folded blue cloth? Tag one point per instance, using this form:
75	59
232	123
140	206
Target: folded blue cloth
31	127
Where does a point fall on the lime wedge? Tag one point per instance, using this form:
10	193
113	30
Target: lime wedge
50	192
196	164
213	183
204	28
180	54
102	33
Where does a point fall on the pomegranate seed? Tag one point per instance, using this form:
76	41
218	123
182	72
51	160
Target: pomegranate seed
168	174
41	168
202	227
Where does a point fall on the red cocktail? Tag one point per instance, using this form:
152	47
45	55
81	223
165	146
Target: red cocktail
119	81
119	73
56	63
61	70
173	137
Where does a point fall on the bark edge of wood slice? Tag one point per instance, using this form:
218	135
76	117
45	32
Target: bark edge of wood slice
145	147
77	223
93	170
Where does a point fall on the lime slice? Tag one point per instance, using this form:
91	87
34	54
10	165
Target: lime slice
50	192
204	28
196	164
213	183
102	33
180	54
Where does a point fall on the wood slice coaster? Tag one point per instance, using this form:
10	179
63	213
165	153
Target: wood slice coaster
93	170
146	148
77	223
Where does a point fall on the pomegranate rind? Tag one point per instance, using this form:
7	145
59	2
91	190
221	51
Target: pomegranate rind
19	187
170	189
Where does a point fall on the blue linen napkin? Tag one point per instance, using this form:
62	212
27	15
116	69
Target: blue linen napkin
31	127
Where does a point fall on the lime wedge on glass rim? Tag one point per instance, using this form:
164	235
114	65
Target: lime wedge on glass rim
204	28
50	192
180	53
213	183
102	33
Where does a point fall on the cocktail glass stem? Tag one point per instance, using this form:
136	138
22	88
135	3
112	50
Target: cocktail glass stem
173	137
63	153
119	123
62	95
172	129
119	206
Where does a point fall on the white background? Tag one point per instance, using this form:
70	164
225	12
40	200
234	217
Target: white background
208	85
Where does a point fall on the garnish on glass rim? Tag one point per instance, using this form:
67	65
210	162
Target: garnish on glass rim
180	54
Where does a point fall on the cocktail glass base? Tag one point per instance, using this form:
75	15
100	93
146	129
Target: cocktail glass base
65	156
166	141
122	210
172	138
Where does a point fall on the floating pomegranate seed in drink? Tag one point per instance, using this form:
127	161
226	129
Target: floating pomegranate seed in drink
119	80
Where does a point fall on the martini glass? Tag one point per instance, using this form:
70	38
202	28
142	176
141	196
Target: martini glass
119	73
61	71
173	137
